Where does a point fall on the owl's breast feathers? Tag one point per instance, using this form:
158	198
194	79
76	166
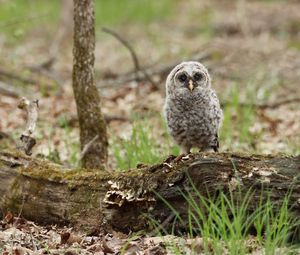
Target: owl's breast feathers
205	103
194	117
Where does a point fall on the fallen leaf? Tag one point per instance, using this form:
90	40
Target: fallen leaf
64	237
106	248
70	253
9	218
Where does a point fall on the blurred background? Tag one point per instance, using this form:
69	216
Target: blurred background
251	48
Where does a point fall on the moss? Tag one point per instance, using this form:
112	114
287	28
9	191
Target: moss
139	181
42	169
13	204
13	201
16	154
1	164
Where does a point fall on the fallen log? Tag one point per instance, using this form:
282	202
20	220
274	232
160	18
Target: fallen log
51	194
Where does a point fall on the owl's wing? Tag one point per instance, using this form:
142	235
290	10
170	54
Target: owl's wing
215	98
217	108
216	144
218	117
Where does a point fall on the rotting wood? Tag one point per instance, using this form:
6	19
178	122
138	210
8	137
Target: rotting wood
124	201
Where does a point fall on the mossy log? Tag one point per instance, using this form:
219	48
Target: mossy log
50	194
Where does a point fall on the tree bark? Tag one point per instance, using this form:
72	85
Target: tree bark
91	121
49	194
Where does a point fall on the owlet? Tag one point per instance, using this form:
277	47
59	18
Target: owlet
192	109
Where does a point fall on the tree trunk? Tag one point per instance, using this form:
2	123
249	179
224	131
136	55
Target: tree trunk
91	121
47	193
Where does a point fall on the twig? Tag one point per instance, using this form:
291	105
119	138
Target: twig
13	76
16	77
73	119
7	91
170	217
27	140
46	65
279	103
86	148
32	241
110	118
161	70
135	59
3	135
271	105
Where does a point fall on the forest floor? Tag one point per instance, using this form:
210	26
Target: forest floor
19	237
253	55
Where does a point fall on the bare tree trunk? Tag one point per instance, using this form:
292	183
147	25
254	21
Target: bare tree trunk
87	199
91	121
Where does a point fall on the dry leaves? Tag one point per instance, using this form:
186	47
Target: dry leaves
19	237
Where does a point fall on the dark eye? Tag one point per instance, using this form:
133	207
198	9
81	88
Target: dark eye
182	77
198	76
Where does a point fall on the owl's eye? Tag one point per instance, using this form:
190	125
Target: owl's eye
198	76
182	77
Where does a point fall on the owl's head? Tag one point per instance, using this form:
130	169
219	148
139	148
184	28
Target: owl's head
187	77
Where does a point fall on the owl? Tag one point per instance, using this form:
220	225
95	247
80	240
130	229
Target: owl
192	109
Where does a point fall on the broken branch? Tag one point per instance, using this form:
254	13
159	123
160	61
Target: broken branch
156	70
13	76
7	91
135	59
27	140
86	148
267	105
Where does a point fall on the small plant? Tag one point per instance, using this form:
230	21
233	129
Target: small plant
225	222
68	149
237	120
142	146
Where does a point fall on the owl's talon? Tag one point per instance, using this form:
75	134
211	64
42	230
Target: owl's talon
167	165
216	149
180	157
187	157
170	158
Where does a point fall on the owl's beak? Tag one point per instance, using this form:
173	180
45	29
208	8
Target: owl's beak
191	85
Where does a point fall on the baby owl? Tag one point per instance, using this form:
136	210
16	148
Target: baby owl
192	109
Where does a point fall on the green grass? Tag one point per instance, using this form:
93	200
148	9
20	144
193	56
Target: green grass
115	12
141	147
19	17
240	111
237	119
69	142
225	222
293	146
